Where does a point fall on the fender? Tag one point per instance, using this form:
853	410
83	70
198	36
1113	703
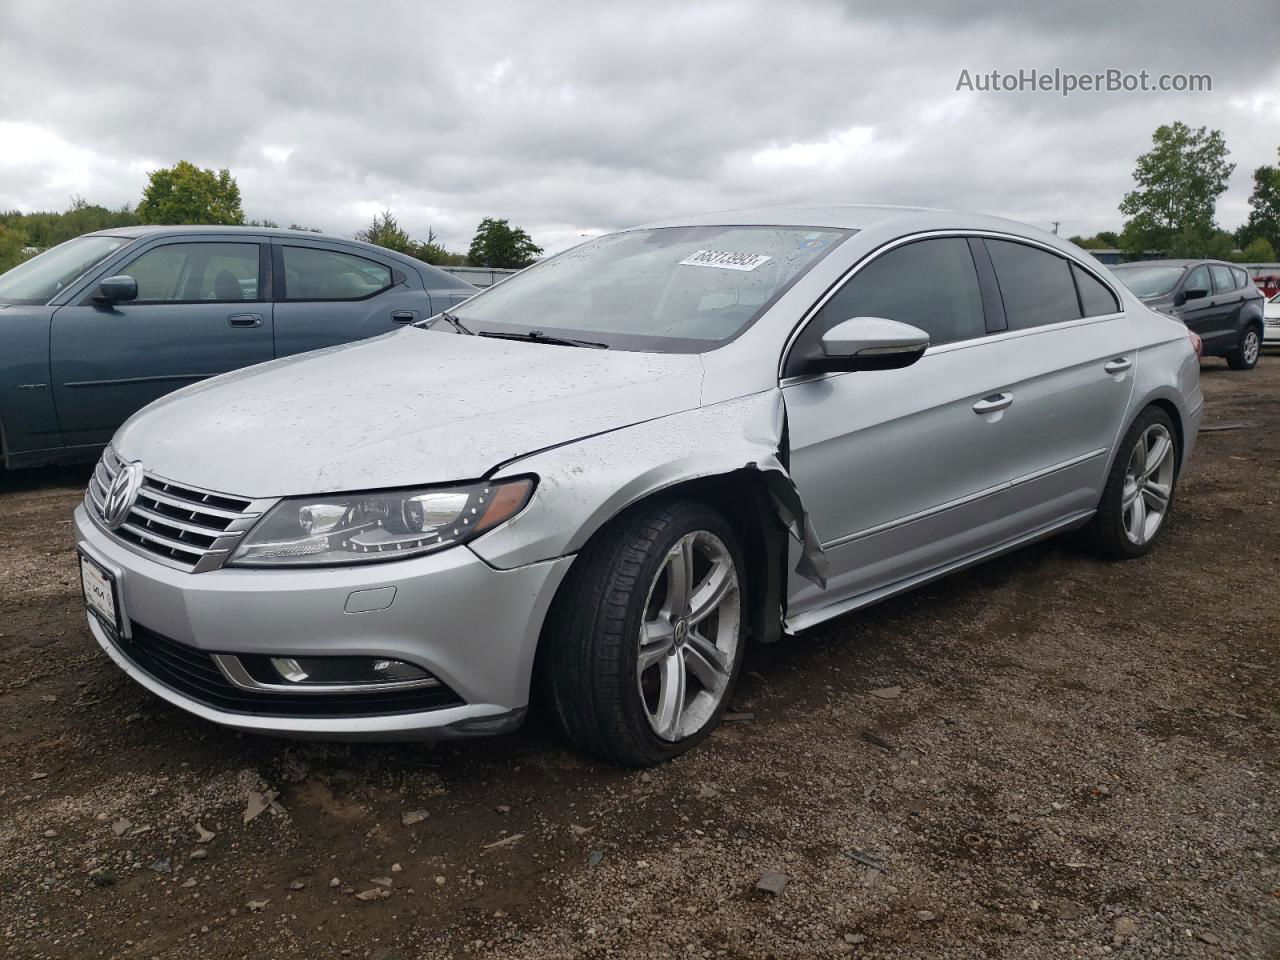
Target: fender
611	471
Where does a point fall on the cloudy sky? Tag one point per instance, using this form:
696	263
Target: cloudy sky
573	118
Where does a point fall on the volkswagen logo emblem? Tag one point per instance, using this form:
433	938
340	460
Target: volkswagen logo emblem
121	494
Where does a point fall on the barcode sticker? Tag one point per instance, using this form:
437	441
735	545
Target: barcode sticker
724	260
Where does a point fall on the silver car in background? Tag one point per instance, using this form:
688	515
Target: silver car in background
595	481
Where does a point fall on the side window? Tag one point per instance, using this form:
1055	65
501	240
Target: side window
311	273
1036	285
1242	278
1222	279
1199	280
196	272
930	284
1095	299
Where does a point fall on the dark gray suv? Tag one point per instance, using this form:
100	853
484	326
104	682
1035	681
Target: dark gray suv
1216	300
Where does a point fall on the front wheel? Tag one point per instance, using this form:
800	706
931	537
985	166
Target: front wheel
1245	357
1138	494
646	638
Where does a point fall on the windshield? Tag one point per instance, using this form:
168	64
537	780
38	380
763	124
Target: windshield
673	289
39	279
1148	282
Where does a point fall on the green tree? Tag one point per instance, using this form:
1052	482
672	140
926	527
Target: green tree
1258	250
1178	184
185	193
1102	240
1264	208
498	244
12	243
385	231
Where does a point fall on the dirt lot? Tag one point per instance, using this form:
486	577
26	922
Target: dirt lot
1080	759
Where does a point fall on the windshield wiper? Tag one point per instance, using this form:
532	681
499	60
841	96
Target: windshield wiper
451	320
537	336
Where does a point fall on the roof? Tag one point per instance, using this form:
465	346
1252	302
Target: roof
183	229
848	216
220	229
1172	263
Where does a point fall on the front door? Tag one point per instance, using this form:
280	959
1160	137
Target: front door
900	469
201	310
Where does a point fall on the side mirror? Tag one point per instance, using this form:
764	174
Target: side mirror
117	290
1195	293
871	343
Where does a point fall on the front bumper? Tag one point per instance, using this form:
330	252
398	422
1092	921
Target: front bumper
473	627
1271	330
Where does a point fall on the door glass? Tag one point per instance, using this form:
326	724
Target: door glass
314	274
930	284
197	273
1036	285
1241	277
1096	299
1198	280
1222	279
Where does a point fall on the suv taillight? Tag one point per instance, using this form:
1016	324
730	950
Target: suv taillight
1196	343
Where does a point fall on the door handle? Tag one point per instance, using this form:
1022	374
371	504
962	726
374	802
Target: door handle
404	316
245	319
1118	365
993	403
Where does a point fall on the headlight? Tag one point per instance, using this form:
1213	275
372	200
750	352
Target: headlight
367	527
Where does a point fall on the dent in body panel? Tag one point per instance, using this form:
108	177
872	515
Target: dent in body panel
584	484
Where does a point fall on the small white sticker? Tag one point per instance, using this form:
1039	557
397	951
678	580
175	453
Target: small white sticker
724	260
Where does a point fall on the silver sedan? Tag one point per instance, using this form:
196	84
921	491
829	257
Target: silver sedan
595	482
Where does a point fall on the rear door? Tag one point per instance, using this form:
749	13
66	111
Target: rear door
1070	354
201	310
327	294
1228	296
1207	315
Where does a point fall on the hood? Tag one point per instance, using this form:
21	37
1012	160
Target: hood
411	407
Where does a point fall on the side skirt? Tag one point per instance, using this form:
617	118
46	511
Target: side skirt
812	618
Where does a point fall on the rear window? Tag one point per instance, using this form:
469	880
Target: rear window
1036	285
1222	279
311	273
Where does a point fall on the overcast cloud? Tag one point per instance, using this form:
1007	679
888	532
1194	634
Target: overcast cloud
574	118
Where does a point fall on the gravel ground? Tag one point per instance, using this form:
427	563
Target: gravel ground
1047	756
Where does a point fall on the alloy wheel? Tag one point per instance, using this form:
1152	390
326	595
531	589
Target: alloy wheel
688	641
1148	484
1250	348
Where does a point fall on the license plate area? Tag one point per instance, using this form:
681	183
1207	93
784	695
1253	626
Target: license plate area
101	594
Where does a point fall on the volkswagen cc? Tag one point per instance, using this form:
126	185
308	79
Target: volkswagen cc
592	484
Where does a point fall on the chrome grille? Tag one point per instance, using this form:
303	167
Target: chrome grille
189	528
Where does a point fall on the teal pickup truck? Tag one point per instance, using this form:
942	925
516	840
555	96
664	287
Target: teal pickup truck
94	329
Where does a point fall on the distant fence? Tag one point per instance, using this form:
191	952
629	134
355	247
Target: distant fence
479	276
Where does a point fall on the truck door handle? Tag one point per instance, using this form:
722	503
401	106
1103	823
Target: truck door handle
993	403
1118	365
245	320
404	316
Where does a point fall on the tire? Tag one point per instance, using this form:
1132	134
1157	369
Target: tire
627	581
1113	528
1245	356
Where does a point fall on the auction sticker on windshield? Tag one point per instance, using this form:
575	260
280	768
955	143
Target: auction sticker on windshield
724	259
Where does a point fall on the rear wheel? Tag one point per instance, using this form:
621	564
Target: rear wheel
1138	494
646	639
1245	356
